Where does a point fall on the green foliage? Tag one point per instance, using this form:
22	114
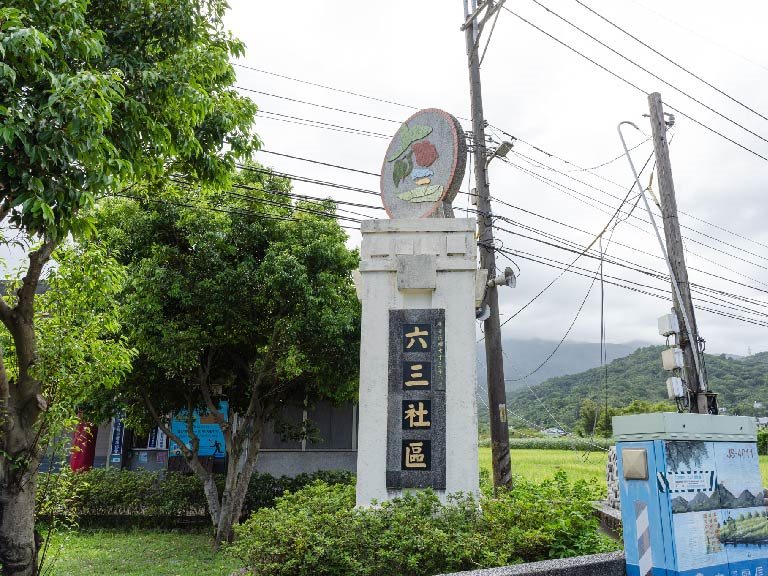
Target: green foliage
94	93
593	420
561	443
81	354
253	293
318	530
762	442
640	377
58	499
102	497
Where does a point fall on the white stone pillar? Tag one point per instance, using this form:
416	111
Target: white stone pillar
427	263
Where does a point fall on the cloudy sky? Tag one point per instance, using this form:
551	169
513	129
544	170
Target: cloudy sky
564	112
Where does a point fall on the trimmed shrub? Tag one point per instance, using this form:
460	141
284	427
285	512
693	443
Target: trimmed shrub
562	443
318	531
105	497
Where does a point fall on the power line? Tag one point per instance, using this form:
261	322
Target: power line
705	38
676	64
189	186
628	246
563	267
649	272
647	71
308	180
612	160
612	195
567	332
292	207
319	124
310	198
325	87
346	111
531	160
560	187
297	101
321	163
577	168
260	215
635	86
580	169
574	248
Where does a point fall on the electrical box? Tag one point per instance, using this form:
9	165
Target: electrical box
692	501
669	325
675	388
672	358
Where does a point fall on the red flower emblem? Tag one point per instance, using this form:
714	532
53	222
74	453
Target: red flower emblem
424	153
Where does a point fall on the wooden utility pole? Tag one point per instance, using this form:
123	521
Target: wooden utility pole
497	402
688	341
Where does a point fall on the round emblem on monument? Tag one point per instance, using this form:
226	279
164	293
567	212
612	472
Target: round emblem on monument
424	166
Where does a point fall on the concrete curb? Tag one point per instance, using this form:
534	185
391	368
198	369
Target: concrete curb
611	564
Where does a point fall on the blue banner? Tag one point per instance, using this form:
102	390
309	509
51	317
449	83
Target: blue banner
205	428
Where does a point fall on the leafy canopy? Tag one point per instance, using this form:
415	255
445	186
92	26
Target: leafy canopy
248	291
94	94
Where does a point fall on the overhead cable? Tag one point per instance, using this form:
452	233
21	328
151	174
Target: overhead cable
651	73
635	86
665	57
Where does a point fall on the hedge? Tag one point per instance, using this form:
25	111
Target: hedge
319	531
561	443
107	497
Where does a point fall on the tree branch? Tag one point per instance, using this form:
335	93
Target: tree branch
193	439
165	428
37	259
203	374
225	426
256	382
193	461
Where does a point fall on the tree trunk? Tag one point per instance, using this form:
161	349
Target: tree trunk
240	469
21	406
19	461
18	548
212	497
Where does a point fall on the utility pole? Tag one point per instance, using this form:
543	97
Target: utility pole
497	402
689	338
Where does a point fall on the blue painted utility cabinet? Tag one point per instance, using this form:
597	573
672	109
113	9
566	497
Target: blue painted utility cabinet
692	501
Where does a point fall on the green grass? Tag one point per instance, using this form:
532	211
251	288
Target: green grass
539	465
167	553
137	553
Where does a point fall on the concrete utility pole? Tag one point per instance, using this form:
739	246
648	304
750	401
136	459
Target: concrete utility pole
695	378
497	403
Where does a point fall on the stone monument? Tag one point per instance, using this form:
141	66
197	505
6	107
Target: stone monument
417	277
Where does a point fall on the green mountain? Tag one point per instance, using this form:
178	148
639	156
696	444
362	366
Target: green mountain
740	383
522	357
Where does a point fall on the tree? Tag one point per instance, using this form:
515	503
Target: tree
251	301
80	350
94	96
